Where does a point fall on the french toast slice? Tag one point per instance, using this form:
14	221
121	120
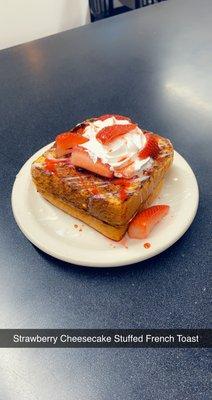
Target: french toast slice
112	232
100	202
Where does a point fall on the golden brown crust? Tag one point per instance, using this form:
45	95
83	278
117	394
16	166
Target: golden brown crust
100	197
112	232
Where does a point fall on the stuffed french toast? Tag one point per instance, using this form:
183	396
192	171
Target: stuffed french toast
104	171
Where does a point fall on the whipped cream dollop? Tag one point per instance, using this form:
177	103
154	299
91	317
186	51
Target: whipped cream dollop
121	154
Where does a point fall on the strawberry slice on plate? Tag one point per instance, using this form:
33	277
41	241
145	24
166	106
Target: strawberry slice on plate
80	158
151	148
107	134
145	220
66	141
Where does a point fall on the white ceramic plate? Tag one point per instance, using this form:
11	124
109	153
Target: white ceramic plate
66	238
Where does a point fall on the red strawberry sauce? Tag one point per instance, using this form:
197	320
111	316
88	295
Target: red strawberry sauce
124	185
147	245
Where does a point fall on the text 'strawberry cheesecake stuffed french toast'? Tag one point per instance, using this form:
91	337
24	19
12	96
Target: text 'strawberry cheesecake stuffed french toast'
103	172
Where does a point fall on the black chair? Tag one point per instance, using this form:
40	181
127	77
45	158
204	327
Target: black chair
99	9
105	8
144	3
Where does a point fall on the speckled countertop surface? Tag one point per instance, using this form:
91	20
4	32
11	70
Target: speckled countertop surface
154	64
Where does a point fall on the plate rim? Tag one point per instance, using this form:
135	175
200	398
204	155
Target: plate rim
93	263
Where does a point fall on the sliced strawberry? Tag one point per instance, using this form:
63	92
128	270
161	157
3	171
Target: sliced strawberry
107	134
151	148
80	158
118	117
66	141
79	128
145	220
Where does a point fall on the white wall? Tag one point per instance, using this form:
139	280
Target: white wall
25	20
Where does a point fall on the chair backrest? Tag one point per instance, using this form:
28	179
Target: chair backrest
99	8
144	3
